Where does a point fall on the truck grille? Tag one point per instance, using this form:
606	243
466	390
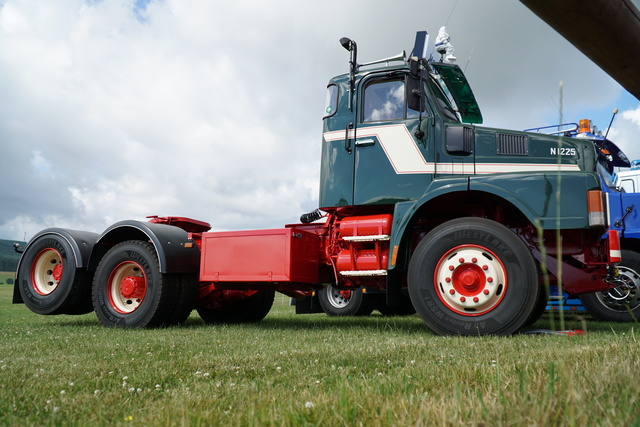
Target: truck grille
512	145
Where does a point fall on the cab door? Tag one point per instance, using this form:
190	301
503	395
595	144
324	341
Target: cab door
393	144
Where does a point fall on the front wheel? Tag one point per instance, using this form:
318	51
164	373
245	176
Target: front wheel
473	276
336	302
622	303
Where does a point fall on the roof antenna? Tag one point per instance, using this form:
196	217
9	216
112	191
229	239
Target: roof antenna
615	111
451	13
469	60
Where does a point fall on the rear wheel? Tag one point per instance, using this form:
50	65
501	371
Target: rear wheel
237	307
622	303
337	302
129	290
49	281
473	276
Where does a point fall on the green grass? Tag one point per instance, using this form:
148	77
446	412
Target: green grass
293	370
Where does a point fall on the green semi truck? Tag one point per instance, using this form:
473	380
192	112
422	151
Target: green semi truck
418	203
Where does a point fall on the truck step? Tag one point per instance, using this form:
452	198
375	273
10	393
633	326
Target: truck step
372	238
364	273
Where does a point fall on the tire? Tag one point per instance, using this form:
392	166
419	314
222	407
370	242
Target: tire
335	302
473	276
48	280
129	290
250	309
621	304
405	309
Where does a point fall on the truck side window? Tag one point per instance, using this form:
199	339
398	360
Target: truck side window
628	186
331	103
385	100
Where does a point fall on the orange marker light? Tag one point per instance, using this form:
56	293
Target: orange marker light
595	206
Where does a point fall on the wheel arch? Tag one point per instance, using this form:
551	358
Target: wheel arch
81	243
413	220
177	252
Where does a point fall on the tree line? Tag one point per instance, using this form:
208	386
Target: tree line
8	256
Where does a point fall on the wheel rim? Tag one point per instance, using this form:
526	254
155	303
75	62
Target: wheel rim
46	271
127	287
338	298
470	280
625	296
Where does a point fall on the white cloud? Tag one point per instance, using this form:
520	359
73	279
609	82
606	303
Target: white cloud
119	109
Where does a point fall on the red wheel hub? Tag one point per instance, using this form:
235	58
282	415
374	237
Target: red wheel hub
57	272
133	287
470	280
127	287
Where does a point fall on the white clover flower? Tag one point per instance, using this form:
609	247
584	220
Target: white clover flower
309	405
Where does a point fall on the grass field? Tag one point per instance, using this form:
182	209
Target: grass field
6	275
293	370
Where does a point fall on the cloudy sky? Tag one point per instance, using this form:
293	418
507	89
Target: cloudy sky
119	109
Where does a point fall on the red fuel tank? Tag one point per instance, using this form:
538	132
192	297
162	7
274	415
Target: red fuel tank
371	225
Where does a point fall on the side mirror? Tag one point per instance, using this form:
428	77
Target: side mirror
415	94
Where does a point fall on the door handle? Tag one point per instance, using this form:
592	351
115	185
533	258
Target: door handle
364	142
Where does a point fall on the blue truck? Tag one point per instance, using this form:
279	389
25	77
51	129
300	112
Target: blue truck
622	303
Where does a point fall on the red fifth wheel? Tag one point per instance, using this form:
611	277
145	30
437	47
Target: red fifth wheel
473	276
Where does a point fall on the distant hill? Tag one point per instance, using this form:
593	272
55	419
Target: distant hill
8	256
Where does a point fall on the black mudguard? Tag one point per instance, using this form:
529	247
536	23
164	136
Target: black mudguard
177	253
